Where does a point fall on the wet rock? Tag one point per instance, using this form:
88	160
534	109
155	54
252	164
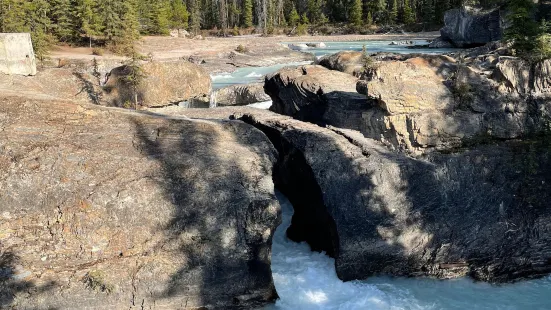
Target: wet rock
440	43
466	213
316	45
241	94
298	47
118	209
164	83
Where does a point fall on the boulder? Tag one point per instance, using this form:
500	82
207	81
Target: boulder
113	209
298	47
241	94
482	212
316	45
164	83
410	86
440	43
468	27
316	94
350	62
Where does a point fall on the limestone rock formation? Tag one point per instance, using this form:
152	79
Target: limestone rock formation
164	83
112	209
241	94
468	27
482	212
350	62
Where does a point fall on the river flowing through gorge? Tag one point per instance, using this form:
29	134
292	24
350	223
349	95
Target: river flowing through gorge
307	280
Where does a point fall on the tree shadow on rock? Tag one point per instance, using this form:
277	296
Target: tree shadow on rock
217	232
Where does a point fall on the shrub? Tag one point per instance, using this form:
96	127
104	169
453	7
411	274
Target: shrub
235	31
95	280
302	29
96	51
242	49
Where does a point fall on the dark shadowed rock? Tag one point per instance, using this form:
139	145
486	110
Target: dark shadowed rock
241	94
165	83
110	209
467	27
316	94
482	212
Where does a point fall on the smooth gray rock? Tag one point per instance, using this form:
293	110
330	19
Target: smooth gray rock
468	27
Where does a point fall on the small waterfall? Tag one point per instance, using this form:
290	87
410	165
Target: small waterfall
212	99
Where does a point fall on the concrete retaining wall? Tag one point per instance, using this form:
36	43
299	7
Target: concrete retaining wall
17	54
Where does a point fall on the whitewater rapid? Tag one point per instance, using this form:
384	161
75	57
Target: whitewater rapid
307	280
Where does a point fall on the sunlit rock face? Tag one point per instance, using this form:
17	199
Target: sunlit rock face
107	208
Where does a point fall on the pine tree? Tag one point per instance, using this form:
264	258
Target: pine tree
369	20
394	13
179	16
62	17
248	14
408	15
304	19
86	20
314	11
356	13
523	29
12	16
39	25
294	18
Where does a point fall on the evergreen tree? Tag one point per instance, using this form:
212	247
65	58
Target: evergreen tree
294	18
179	16
248	14
523	29
86	21
356	13
394	13
304	19
369	20
62	17
314	11
12	16
409	16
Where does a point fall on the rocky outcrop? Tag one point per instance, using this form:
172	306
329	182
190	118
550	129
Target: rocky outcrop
114	209
163	84
421	103
241	94
482	212
468	27
316	94
350	62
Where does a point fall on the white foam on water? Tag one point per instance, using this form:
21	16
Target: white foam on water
265	105
220	76
254	75
307	280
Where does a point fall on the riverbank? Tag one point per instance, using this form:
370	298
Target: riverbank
217	54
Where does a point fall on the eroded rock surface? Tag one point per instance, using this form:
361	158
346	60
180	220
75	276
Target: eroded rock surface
112	209
241	94
315	94
482	212
421	103
164	83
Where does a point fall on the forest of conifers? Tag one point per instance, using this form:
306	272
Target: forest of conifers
118	22
70	20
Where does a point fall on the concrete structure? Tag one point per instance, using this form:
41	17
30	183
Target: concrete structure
17	54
